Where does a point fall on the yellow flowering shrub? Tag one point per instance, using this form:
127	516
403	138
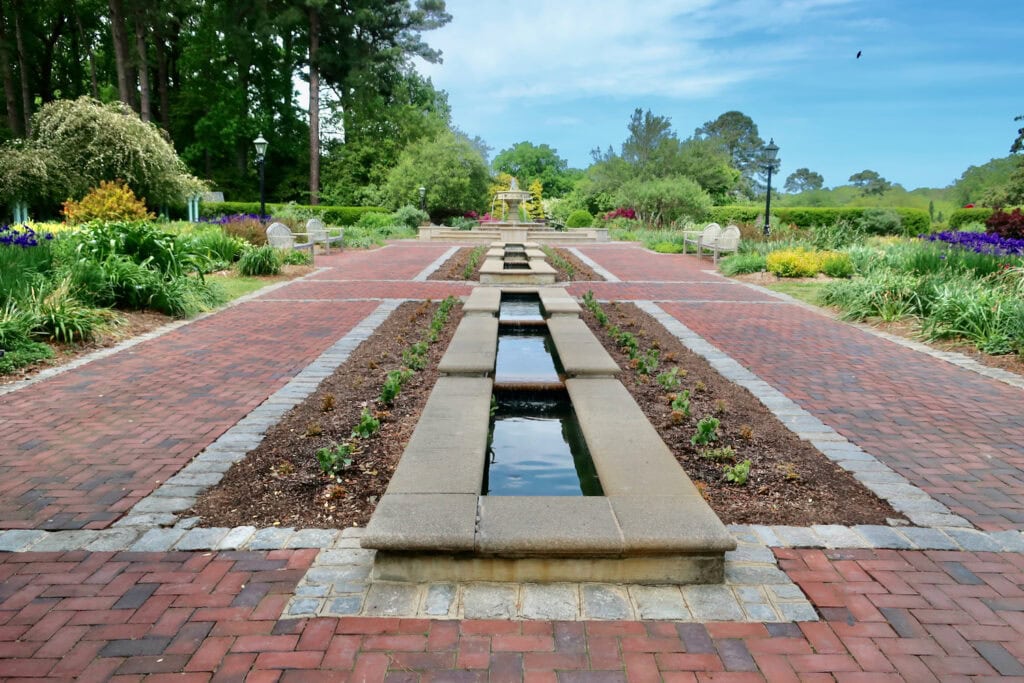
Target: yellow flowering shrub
111	201
793	263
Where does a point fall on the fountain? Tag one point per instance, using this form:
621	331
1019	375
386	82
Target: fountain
512	197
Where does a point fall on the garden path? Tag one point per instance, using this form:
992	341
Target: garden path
78	449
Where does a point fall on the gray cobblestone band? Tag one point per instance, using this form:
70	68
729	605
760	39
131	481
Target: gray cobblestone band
438	262
875	475
135	341
952	357
594	265
179	492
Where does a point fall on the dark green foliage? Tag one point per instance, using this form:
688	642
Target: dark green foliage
962	217
737	264
367	426
707	431
579	218
335	459
880	222
332	215
257	261
20	351
914	221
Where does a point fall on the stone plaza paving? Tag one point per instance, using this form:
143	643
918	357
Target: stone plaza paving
100	579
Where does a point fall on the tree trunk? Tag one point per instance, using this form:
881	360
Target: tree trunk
162	87
125	88
145	108
46	67
314	106
14	121
26	93
93	80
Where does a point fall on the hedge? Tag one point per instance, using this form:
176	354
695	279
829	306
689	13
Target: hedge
915	221
962	217
333	215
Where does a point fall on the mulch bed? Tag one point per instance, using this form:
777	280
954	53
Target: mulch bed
280	482
454	268
791	482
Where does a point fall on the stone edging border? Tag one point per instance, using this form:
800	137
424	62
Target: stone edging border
894	488
593	265
952	357
438	262
153	334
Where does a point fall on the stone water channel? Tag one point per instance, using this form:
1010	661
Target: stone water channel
532	463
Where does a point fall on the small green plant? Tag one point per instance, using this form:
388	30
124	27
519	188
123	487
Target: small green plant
415	356
559	262
682	402
647	363
720	454
367	426
336	458
670	380
738	473
297	257
393	385
471	263
263	260
707	431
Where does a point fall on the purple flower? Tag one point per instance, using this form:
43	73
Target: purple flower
980	242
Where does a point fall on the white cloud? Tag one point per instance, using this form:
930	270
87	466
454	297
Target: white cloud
585	48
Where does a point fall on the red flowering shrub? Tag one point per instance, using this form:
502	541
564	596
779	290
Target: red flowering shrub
1006	225
622	212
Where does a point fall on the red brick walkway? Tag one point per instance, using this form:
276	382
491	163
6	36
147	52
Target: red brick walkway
888	616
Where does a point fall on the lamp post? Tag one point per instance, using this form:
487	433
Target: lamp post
423	198
261	159
770	154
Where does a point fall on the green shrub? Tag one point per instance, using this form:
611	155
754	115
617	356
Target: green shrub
668	248
61	317
836	235
737	264
914	221
580	218
216	246
296	257
335	459
332	215
410	217
376	221
257	261
836	264
792	263
20	351
880	222
962	217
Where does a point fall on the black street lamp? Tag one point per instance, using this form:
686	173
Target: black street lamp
770	154
423	198
261	159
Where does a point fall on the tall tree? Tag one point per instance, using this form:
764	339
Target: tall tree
529	162
14	120
125	78
737	133
870	182
142	60
648	137
804	179
314	104
19	38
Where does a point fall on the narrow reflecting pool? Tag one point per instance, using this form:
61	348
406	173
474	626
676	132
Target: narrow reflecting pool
517	307
525	354
536	448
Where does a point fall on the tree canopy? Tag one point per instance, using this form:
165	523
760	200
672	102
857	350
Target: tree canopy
529	162
870	182
803	180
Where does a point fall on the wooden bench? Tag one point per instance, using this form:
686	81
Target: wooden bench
280	236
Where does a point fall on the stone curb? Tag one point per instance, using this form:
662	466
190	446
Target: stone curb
425	273
952	357
593	265
179	493
875	475
135	341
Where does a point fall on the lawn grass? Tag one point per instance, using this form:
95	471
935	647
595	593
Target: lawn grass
236	286
804	291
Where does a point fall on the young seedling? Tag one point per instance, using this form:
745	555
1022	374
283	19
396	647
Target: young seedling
738	473
707	431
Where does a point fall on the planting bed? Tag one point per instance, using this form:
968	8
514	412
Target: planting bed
790	481
454	267
280	482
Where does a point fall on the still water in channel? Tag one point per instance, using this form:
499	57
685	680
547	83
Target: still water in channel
525	355
536	448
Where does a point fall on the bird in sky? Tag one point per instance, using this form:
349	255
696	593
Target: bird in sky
858	54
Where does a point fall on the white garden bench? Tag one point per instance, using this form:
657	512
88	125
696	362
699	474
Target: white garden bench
280	236
713	239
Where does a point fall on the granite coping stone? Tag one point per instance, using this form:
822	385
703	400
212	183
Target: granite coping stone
447	450
482	301
435	522
557	301
669	524
547	525
580	352
473	348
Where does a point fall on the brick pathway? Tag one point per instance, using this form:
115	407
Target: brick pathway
79	449
889	616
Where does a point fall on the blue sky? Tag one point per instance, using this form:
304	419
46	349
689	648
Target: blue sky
935	91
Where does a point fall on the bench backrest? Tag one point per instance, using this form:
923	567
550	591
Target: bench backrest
317	230
711	233
279	236
729	239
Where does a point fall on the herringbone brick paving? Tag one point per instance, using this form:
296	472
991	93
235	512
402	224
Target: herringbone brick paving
956	434
888	615
80	449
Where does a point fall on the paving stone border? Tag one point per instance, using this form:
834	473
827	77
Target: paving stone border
153	334
178	493
878	477
755	589
438	262
952	357
594	265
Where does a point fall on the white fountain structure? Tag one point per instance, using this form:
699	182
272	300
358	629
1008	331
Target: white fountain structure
511	229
